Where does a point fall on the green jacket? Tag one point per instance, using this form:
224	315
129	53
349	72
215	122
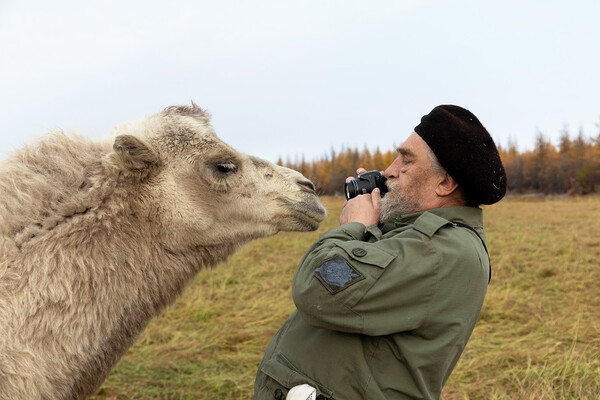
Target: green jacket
382	312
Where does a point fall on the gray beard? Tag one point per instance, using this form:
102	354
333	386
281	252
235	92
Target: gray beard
397	202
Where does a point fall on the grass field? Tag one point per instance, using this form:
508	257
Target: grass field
538	336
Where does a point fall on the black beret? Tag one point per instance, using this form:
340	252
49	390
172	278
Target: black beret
466	151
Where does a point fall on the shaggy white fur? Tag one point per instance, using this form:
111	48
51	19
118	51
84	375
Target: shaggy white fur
95	241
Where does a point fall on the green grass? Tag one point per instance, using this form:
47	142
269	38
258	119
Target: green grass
538	336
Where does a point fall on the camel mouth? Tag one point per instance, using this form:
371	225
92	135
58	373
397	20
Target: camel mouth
311	220
306	216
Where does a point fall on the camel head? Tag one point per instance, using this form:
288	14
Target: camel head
199	191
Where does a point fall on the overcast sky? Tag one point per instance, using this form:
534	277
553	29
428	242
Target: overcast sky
291	78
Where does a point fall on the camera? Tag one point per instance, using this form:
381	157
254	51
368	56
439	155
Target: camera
365	183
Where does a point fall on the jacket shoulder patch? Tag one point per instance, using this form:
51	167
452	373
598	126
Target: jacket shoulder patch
429	223
336	274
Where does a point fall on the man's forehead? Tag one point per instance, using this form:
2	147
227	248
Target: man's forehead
413	145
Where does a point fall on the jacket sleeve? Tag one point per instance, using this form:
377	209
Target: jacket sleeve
349	284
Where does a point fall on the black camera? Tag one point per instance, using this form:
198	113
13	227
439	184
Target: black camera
365	183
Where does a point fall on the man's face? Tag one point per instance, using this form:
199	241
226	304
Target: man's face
411	179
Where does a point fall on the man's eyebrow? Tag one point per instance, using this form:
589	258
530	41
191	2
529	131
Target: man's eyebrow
405	152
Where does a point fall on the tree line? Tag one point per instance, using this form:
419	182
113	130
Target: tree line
571	167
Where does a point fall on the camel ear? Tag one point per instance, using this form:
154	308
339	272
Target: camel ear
134	156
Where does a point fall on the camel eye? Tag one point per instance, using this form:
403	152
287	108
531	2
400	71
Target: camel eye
226	168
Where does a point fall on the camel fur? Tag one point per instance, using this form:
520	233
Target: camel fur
97	238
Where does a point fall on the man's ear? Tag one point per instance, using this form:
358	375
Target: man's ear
133	156
446	186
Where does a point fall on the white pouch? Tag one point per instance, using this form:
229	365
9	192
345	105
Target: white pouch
302	392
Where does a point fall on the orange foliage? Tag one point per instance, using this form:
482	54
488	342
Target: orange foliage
572	167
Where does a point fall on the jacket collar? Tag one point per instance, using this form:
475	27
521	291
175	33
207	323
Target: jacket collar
472	216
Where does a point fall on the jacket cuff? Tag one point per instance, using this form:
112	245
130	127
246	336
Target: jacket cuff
374	231
354	229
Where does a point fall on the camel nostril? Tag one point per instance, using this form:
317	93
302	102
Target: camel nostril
307	186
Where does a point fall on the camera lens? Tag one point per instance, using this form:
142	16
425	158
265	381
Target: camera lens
351	189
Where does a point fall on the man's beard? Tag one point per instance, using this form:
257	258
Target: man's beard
397	201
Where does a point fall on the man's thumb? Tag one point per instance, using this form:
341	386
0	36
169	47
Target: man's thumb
376	198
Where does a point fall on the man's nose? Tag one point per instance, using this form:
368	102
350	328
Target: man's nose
389	172
393	170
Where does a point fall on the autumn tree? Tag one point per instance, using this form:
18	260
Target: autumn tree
571	167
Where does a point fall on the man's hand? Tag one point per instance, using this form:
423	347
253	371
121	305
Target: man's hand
363	208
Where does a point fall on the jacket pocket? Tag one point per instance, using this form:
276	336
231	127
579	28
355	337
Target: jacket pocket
369	260
285	377
366	253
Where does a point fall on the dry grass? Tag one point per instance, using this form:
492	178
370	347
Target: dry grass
538	336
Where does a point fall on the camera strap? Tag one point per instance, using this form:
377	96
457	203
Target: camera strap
482	242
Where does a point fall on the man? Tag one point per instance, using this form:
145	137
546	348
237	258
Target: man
387	301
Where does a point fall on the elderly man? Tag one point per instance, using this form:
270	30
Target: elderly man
387	301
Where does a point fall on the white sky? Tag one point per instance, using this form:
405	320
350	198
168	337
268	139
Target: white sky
296	78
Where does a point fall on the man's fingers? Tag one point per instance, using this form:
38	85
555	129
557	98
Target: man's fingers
358	171
360	209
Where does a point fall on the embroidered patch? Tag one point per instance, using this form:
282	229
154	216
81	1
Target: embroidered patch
336	274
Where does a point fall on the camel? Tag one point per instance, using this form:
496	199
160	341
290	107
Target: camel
96	240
